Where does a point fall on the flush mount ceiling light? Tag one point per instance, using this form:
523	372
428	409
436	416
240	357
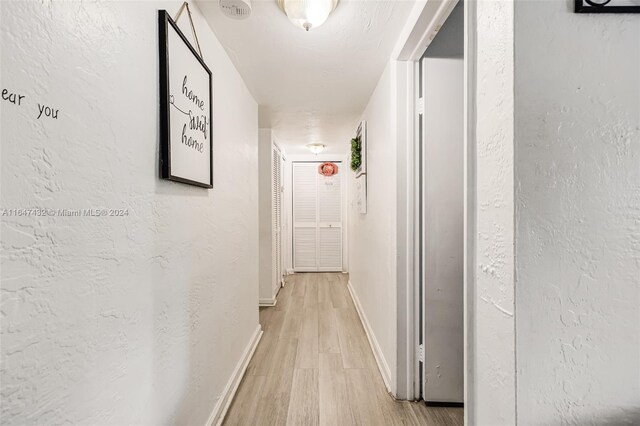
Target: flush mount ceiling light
316	148
307	14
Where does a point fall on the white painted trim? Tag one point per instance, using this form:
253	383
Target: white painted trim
470	119
277	145
406	34
414	302
288	215
224	402
402	75
383	366
427	19
271	302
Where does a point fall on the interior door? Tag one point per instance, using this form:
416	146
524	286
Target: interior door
283	222
442	215
317	217
305	217
329	223
276	192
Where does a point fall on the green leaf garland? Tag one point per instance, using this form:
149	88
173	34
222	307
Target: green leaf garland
356	153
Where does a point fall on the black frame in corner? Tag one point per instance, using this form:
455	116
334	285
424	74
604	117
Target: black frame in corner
593	6
164	21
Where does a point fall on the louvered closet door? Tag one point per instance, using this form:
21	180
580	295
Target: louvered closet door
317	216
276	193
305	217
329	223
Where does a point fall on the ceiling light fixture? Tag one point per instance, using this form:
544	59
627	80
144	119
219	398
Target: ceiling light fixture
307	14
316	148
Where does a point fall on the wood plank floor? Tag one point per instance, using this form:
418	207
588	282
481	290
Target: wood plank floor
314	366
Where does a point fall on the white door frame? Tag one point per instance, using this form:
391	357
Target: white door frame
288	207
277	226
283	224
318	159
470	205
427	23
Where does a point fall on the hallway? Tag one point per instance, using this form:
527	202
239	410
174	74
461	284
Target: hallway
314	366
456	184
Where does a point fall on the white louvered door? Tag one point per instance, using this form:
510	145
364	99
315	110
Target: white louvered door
329	223
305	217
276	203
317	218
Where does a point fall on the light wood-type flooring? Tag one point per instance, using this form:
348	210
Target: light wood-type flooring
314	366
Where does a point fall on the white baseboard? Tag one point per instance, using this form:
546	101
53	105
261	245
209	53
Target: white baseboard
373	342
222	406
273	300
276	290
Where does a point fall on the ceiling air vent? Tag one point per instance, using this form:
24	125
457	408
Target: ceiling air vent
236	9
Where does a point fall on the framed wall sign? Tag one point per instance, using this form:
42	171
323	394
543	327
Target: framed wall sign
362	134
361	194
186	109
607	6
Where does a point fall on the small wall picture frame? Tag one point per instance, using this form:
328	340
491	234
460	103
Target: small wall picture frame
361	194
606	6
361	133
186	109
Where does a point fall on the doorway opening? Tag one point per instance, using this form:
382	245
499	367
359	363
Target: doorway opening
440	222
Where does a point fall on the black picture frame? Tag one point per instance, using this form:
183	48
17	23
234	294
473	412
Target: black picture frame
166	24
602	6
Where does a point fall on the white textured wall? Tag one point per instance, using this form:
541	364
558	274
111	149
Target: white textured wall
492	362
130	320
372	236
578	215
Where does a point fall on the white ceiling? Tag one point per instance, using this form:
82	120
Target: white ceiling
311	86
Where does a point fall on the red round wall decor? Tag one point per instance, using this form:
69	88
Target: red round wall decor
328	169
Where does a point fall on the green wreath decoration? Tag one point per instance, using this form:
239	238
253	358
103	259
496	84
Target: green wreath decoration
356	153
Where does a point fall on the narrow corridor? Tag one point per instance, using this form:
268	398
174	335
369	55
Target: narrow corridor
314	366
